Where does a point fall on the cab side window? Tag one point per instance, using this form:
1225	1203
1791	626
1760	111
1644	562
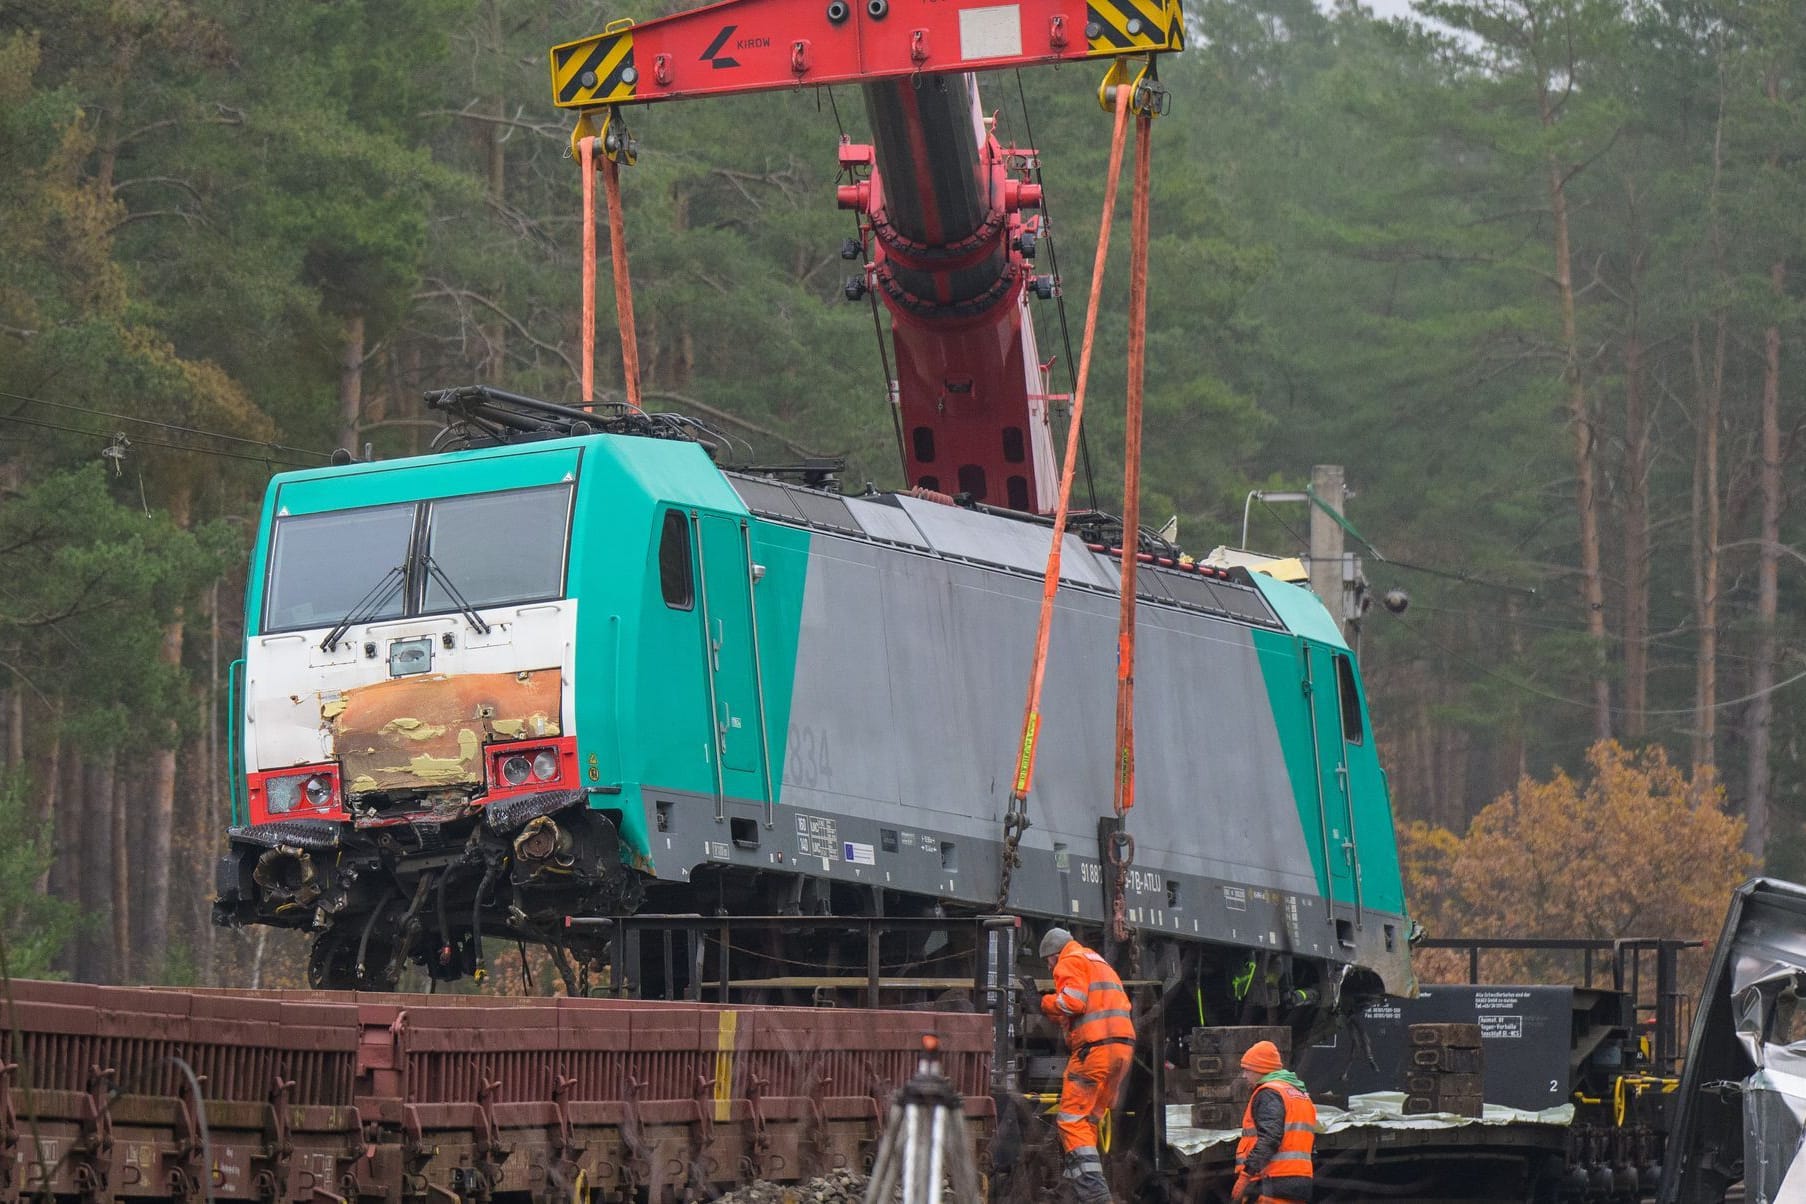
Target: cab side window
674	576
1351	702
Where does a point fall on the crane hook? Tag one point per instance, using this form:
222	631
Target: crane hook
612	137
1147	96
616	142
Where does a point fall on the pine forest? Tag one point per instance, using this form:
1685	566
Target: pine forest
1529	270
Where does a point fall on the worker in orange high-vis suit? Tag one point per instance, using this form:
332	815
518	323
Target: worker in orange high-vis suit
1279	1131
1089	1002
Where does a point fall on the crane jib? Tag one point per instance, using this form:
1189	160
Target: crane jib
760	45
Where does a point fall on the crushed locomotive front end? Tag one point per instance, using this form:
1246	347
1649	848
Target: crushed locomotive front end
410	777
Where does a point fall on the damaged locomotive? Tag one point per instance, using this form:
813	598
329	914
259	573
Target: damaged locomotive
575	670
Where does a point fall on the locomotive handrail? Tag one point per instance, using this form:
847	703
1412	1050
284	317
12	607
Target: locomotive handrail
235	750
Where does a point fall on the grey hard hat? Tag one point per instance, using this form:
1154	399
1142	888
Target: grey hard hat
1054	941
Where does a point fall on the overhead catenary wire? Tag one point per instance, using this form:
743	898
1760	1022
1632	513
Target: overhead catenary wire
1519	620
183	447
1587	703
1558	626
167	426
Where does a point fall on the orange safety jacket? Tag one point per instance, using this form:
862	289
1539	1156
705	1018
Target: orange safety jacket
1288	1173
1089	998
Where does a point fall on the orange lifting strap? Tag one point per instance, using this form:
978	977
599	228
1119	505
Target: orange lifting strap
1122	853
586	160
1031	719
617	253
1131	484
1122	850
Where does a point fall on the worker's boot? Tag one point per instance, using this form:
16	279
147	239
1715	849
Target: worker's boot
1086	1186
1090	1188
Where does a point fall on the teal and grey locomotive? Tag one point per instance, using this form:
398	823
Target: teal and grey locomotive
592	672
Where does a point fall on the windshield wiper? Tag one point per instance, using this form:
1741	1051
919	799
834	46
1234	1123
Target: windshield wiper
445	583
369	604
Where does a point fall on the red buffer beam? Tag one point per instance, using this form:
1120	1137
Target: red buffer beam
761	45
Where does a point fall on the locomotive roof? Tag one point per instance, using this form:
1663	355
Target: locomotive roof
1018	545
679	471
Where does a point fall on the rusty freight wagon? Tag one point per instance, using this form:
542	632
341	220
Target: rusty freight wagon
139	1094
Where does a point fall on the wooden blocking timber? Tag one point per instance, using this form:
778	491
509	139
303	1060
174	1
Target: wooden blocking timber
1447	1060
1457	1105
1444	1072
1444	1085
1231	1042
1216	1116
1446	1034
1221	1093
1214	1066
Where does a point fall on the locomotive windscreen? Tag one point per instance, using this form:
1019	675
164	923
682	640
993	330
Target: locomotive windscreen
492	548
322	564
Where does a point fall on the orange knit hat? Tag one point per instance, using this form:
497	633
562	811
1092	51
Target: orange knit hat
1262	1058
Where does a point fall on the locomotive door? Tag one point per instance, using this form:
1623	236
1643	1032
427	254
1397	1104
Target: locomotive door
1334	811
729	656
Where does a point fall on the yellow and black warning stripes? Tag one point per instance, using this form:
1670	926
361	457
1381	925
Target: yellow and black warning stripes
595	71
1134	26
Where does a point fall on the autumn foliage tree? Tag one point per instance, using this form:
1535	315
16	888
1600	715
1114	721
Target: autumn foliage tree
1636	847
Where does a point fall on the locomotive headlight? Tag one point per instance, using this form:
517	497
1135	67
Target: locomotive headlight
516	770
318	790
284	794
545	764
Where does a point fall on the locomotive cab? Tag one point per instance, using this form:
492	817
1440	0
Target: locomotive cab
417	765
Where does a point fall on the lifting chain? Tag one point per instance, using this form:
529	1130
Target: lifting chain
1121	854
1015	823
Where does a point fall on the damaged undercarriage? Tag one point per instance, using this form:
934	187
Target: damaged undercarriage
427	891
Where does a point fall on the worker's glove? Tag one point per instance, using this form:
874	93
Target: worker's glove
1028	995
1245	1189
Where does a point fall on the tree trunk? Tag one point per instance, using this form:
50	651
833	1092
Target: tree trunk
1517	749
91	867
1761	715
15	727
1706	517
155	847
67	863
50	798
106	790
416	444
1636	538
1580	417
495	133
351	383
1759	720
1706	495
210	812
